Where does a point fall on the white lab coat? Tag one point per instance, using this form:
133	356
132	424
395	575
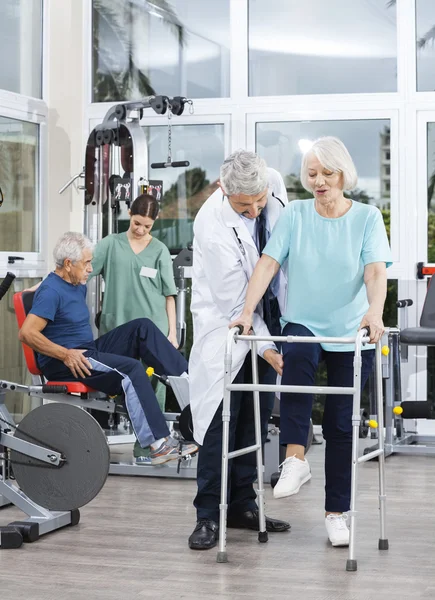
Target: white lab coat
220	277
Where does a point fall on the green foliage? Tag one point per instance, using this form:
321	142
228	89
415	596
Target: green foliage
194	181
117	78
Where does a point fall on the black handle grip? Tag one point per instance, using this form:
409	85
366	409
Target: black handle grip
6	284
180	163
404	303
54	389
417	410
163	165
240	328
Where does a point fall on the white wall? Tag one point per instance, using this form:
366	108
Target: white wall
64	88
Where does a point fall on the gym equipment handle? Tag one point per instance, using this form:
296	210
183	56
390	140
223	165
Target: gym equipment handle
6	284
54	389
404	303
163	165
413	409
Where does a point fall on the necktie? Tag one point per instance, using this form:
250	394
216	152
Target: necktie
261	243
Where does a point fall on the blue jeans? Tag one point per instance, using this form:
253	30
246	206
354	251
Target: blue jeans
122	350
300	365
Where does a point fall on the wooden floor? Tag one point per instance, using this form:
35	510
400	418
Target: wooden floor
132	544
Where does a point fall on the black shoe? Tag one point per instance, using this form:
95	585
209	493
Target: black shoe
205	535
250	520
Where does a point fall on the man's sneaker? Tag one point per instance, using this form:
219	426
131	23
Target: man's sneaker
142	460
338	532
169	450
295	472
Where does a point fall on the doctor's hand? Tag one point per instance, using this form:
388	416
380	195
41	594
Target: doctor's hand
274	359
245	321
376	325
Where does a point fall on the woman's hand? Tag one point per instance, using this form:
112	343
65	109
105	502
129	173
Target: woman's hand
245	321
172	337
376	325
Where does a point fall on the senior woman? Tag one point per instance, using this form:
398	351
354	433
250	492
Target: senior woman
337	251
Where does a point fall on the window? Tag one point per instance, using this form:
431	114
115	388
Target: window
153	47
425	36
367	141
21	46
314	47
19	159
184	189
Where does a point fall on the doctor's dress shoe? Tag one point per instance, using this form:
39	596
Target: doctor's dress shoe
205	535
250	520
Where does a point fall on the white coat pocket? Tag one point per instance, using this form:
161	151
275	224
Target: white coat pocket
148	272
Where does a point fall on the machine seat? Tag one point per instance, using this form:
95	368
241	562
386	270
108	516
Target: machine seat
418	336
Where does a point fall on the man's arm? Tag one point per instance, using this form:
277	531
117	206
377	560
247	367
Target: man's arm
31	334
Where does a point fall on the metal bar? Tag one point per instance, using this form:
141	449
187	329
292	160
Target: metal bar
351	564
28	449
300	339
369	456
243	451
383	542
293	389
409	449
226	414
262	535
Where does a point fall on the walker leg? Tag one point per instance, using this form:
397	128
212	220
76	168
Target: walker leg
223	506
351	564
383	541
262	534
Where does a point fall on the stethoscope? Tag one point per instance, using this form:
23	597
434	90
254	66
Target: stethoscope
239	241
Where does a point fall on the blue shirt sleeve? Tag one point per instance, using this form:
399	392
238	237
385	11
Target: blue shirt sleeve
278	245
375	245
45	303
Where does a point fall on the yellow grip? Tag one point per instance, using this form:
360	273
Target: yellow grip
373	424
397	410
150	371
385	350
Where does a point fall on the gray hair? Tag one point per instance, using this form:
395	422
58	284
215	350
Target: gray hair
243	172
71	245
333	155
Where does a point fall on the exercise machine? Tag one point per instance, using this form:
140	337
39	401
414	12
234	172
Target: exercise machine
52	463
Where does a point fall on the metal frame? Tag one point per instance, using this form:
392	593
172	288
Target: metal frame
10	494
397	439
256	388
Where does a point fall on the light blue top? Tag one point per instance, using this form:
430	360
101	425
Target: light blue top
326	260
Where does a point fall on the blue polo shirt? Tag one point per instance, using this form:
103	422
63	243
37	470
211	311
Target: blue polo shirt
326	260
64	306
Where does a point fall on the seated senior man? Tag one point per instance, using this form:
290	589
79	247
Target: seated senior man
58	329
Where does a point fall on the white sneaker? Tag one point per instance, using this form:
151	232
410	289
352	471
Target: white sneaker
295	472
337	529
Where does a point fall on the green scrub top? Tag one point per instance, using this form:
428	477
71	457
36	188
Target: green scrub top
136	285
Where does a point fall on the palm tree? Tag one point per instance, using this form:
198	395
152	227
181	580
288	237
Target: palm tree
428	37
112	82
